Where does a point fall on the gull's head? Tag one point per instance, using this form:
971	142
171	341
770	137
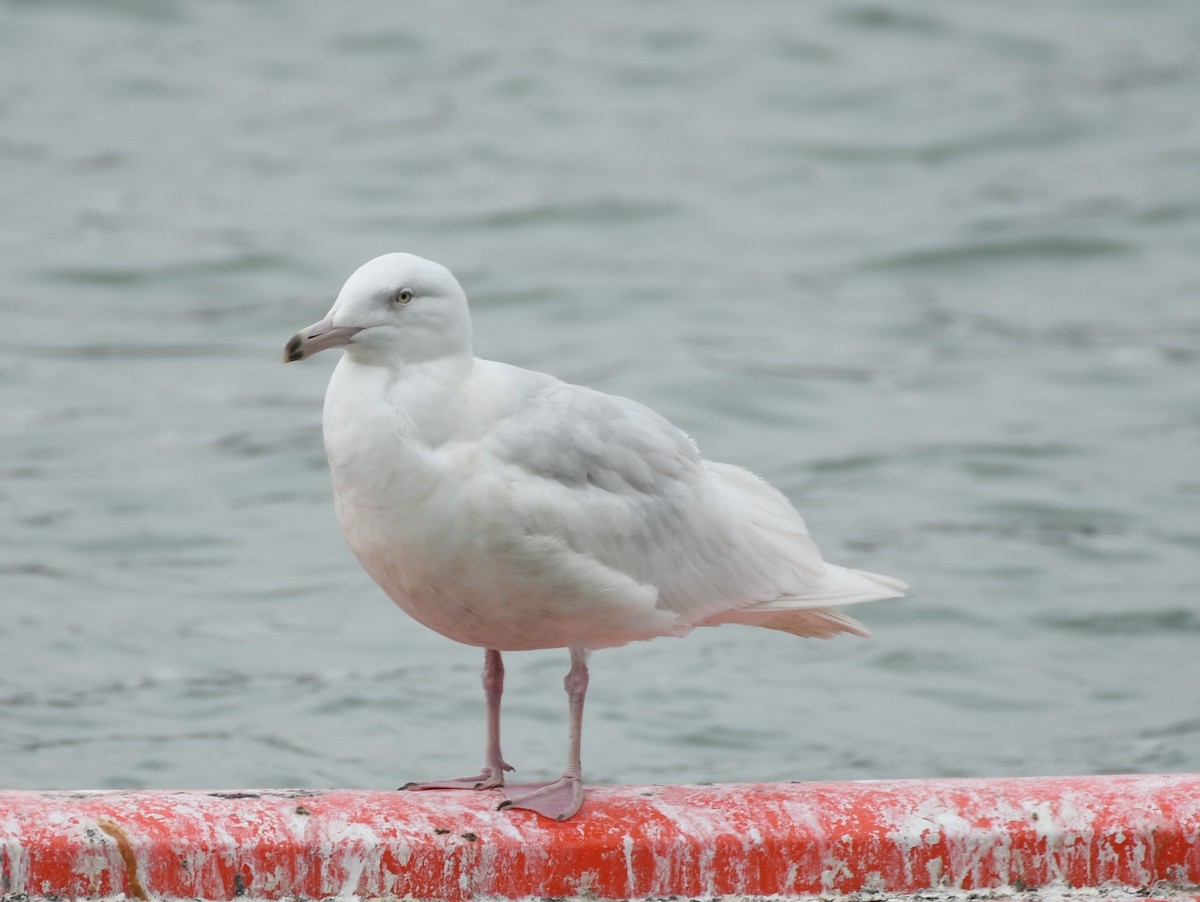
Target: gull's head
395	309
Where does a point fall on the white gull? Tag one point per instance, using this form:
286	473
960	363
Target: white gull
506	509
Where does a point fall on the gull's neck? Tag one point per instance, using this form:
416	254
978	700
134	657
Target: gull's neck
426	395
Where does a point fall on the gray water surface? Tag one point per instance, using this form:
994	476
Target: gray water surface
931	268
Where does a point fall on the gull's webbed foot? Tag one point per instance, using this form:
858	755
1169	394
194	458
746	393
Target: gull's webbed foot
491	777
558	800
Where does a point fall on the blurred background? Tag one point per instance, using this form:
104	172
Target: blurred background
931	268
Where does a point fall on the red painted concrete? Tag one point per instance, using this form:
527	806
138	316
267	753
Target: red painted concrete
1135	832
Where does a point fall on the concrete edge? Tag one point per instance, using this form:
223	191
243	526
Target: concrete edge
1110	837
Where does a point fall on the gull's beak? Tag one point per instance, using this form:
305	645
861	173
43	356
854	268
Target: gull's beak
318	337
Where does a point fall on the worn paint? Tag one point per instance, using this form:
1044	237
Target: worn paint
128	856
896	837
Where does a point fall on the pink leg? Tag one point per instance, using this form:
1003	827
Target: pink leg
562	798
492	775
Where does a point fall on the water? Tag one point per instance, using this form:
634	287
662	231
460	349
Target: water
931	269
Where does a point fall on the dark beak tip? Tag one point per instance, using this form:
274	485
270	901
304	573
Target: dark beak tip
291	351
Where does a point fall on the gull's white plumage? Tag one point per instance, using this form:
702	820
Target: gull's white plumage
506	509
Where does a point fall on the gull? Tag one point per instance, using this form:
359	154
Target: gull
506	509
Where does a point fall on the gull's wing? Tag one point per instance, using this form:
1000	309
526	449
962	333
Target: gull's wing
619	486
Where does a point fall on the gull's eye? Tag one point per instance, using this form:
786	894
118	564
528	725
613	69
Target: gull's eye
403	296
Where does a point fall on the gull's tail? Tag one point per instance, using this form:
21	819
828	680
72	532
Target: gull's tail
783	552
807	614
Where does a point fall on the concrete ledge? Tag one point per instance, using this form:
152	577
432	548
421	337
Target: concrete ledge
1120	834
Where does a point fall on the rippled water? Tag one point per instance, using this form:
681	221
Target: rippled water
932	269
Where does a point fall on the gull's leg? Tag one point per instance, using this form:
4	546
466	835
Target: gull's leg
562	798
492	775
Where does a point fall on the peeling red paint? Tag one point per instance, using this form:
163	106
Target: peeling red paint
1136	832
